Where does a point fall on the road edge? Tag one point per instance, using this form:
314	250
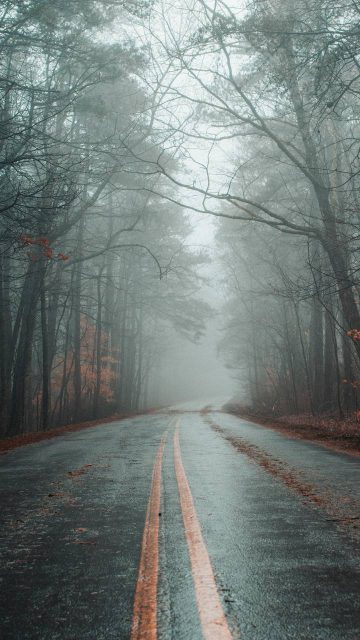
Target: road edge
34	437
289	431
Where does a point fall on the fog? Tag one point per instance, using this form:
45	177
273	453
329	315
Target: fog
191	371
179	208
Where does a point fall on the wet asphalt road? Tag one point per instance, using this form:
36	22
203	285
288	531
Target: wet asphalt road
277	518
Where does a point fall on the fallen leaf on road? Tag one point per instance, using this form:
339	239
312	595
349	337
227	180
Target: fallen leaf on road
80	530
78	472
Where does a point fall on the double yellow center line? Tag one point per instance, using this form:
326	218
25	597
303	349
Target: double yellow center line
212	617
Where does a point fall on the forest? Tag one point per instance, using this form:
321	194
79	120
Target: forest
123	123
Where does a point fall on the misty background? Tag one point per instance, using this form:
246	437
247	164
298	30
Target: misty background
196	371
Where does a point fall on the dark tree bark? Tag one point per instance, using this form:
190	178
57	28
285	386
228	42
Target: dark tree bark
76	310
316	353
22	363
98	368
45	404
330	349
5	340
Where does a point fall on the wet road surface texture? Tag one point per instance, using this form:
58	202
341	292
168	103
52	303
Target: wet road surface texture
183	525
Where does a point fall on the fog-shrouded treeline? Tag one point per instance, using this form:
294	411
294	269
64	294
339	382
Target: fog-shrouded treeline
293	313
270	92
284	334
93	267
115	117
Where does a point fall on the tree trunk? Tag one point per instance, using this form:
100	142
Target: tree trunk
348	376
316	353
305	361
5	341
290	355
76	306
98	347
45	402
21	372
329	359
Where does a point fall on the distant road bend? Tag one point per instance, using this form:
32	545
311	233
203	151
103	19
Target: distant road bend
183	525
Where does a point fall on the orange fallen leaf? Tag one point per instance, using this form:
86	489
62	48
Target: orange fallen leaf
76	473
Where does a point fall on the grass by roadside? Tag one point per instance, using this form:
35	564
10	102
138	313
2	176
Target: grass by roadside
338	434
7	444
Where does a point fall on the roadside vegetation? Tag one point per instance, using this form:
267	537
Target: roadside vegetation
93	269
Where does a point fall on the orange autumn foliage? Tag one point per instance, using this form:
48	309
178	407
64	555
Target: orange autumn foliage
354	334
109	363
42	242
